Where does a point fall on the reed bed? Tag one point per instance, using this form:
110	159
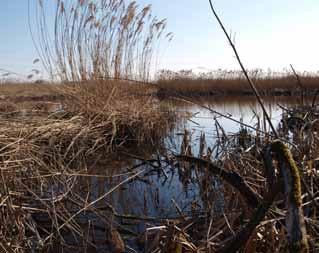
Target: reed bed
242	202
101	39
11	90
119	112
223	82
44	157
255	193
40	164
47	200
130	108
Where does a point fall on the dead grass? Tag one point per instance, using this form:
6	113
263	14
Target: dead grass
256	220
131	109
42	155
16	89
44	199
225	83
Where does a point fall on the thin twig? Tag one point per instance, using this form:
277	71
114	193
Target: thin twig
252	85
299	84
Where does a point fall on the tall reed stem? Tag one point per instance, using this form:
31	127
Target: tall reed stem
251	83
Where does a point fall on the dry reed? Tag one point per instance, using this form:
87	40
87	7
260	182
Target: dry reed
223	82
43	159
98	40
242	192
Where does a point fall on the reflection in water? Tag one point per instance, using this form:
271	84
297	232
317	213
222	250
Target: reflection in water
158	194
244	109
167	189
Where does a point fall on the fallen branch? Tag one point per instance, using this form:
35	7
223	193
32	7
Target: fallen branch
243	236
232	178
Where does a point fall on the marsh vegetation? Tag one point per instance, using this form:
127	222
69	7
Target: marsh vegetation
95	161
226	83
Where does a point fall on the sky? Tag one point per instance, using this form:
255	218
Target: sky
268	34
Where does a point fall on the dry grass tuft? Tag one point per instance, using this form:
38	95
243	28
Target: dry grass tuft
130	109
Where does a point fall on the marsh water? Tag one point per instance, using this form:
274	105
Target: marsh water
164	190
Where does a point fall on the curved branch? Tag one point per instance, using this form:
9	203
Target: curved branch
232	178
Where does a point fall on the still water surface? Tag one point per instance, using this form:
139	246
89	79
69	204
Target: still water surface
163	193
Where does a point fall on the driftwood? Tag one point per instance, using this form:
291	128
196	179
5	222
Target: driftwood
273	188
231	177
243	236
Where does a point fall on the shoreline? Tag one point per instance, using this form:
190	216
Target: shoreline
165	93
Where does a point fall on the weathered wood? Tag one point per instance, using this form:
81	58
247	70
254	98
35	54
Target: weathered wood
274	188
231	177
296	229
239	241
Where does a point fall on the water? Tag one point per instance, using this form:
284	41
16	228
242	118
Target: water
202	121
245	110
171	190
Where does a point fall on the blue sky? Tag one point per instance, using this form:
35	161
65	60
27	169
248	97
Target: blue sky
269	34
